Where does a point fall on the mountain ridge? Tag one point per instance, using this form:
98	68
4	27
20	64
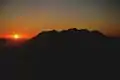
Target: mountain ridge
68	52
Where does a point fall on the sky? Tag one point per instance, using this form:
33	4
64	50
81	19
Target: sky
33	16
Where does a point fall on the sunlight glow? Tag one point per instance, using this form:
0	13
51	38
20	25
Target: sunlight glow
16	36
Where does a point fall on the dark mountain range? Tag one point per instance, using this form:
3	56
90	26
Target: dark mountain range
2	42
62	54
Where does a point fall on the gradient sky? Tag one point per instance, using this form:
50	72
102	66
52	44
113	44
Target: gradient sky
33	16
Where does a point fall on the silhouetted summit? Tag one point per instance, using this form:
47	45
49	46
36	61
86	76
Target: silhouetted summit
2	42
78	38
71	42
70	32
66	52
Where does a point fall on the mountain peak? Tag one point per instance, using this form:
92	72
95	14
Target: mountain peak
70	32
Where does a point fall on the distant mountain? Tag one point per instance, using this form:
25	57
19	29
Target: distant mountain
71	40
67	53
2	42
70	32
68	35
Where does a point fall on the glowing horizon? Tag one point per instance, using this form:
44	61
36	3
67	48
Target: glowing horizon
30	17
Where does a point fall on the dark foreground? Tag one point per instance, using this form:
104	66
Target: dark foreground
61	55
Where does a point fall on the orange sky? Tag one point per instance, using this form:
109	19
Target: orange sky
31	17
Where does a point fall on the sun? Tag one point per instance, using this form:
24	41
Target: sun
16	36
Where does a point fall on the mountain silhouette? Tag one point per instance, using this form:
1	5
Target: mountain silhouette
72	42
81	38
66	52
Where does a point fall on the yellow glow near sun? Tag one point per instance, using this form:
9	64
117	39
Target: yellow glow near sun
16	36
